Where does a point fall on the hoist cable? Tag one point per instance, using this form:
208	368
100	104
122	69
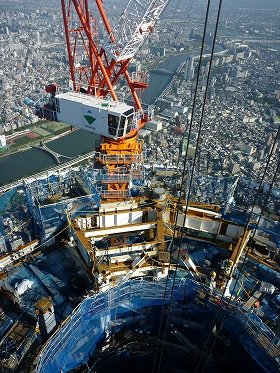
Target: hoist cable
178	203
259	191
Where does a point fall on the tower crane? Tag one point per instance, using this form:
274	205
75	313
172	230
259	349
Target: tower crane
92	103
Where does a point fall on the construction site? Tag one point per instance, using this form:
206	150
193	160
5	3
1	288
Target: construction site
105	264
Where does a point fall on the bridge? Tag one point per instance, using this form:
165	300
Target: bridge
162	71
60	167
54	154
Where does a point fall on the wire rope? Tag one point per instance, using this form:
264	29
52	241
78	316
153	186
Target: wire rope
189	7
198	370
229	301
199	131
276	173
179	202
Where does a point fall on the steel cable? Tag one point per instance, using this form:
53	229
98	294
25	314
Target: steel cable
178	203
242	264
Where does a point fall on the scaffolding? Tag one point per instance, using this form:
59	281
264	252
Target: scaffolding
73	344
52	199
15	344
99	316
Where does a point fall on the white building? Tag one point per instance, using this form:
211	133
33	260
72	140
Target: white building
2	140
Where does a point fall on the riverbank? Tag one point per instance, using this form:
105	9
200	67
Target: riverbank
33	141
24	163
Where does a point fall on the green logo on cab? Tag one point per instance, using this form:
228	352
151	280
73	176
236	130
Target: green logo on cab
89	117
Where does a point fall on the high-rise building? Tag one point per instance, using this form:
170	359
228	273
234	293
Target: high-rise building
38	40
189	71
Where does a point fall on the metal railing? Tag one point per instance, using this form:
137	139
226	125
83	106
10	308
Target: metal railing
82	325
119	158
261	333
114	194
147	110
113	178
121	176
45	173
44	110
61	347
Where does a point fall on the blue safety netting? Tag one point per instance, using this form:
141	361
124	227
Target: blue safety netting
6	198
258	340
89	175
233	192
97	178
73	344
14	216
99	316
50	274
260	223
268	274
51	216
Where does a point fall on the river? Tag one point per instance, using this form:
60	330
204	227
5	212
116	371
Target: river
158	81
28	162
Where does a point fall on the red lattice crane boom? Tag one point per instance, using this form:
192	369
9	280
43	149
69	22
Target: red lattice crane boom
107	64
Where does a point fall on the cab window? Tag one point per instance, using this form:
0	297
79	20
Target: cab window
113	122
129	123
121	127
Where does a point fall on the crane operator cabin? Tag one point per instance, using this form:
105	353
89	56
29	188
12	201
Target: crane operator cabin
112	119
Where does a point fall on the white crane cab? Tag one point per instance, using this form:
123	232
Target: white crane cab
107	118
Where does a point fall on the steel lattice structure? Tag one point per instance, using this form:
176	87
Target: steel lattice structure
106	65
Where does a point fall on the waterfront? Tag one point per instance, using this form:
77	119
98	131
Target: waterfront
25	163
158	81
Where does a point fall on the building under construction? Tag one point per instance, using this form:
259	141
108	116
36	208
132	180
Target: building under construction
118	271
